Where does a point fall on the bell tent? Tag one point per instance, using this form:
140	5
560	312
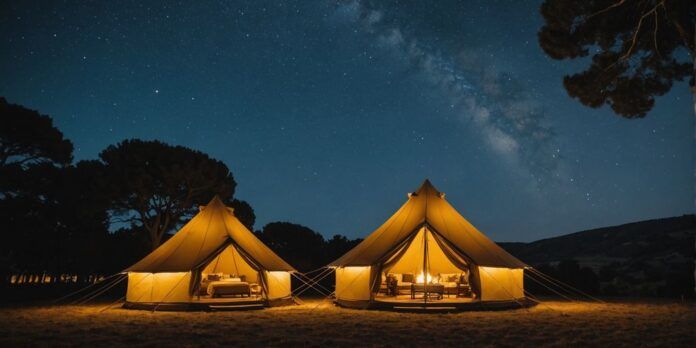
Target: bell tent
213	261
428	255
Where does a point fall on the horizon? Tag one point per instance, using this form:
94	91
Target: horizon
329	113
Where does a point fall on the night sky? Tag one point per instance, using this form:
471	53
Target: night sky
328	113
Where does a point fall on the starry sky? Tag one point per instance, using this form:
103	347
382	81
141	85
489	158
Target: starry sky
329	112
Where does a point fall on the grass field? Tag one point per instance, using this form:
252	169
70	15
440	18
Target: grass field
317	323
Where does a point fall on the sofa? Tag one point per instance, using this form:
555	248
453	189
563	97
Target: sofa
397	284
400	284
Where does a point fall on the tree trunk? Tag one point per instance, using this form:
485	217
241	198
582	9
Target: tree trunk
155	233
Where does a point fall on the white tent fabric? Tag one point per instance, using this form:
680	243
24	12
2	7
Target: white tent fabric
427	205
427	237
213	227
214	241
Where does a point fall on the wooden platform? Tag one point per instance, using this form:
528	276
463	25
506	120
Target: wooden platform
210	304
452	304
408	299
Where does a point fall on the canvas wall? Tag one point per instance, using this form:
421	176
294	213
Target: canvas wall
158	287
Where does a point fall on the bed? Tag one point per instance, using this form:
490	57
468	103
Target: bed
228	287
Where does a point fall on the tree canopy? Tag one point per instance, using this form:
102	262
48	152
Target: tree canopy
300	246
244	212
27	137
639	48
158	186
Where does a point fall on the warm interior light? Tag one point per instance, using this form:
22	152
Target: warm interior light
419	278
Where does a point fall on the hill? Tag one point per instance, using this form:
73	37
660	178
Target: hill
653	257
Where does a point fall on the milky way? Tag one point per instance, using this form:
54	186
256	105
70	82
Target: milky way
511	121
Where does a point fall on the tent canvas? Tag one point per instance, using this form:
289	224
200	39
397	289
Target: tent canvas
214	241
429	239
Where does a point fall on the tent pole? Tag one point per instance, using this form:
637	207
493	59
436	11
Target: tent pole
425	264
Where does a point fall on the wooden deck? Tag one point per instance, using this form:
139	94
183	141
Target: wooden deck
238	299
207	303
446	304
408	299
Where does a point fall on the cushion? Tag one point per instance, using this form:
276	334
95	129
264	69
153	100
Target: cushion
407	278
213	277
449	277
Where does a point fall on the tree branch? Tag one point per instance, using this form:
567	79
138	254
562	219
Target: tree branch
607	9
635	33
130	219
657	50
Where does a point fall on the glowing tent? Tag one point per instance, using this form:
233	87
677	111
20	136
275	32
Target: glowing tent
428	254
213	261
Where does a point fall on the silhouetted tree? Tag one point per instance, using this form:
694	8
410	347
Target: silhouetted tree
125	247
244	212
81	219
300	246
33	155
337	246
27	138
636	48
58	224
158	186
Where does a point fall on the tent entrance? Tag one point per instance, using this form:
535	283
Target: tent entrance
425	270
230	276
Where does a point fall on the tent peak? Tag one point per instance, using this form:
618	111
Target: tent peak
216	198
216	201
427	187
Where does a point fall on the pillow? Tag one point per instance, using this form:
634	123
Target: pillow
213	277
453	278
407	278
242	278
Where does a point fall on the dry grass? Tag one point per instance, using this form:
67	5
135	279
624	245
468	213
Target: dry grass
315	323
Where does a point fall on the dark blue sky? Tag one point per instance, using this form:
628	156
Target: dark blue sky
328	113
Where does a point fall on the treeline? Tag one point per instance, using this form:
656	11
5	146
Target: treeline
614	279
67	221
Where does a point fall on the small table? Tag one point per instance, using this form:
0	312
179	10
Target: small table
463	290
431	289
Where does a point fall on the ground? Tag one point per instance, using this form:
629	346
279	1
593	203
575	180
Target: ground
320	323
